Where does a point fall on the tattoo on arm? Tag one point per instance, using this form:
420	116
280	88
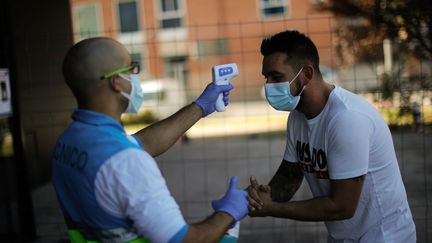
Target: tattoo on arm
286	182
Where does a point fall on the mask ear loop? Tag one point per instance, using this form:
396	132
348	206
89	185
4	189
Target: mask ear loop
128	96
295	77
302	90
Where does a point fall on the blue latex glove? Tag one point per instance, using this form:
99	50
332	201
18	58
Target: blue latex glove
234	202
207	100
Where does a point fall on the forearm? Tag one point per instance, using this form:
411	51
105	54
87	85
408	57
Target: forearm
160	136
211	229
316	209
283	189
286	182
339	205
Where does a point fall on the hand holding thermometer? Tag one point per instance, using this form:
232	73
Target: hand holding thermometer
222	74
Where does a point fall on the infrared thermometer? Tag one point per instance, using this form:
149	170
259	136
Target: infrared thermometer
222	74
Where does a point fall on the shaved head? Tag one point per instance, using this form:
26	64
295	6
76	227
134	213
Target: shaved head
88	60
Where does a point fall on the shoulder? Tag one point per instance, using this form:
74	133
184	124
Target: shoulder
350	119
128	171
350	128
130	161
349	108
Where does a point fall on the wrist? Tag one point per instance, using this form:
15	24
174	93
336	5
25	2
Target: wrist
273	208
228	219
201	108
197	108
226	216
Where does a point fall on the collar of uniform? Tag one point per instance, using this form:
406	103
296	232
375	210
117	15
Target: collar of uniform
95	118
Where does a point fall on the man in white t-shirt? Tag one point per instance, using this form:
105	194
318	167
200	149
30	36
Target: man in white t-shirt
340	144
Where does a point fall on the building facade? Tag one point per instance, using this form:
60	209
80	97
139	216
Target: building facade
183	39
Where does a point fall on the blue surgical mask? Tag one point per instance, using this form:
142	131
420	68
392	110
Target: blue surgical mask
279	95
136	97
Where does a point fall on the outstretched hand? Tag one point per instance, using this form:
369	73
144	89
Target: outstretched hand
259	198
207	99
234	202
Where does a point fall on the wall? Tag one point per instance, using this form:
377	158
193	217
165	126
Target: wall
41	33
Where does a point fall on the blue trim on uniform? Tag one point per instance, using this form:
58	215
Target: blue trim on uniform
180	235
138	140
95	118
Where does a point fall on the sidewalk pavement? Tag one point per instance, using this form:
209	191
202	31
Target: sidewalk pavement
239	118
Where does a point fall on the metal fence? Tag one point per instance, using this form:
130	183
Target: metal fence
249	138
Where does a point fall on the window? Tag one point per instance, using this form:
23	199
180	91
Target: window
212	48
176	67
128	16
86	20
271	8
171	14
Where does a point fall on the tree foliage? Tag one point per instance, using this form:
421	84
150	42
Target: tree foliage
364	24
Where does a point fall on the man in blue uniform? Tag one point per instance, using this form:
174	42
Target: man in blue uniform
107	182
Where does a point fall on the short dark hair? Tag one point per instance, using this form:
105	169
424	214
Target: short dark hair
297	46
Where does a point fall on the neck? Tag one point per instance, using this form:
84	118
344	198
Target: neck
102	107
315	99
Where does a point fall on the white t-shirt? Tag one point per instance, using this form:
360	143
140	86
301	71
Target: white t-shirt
349	139
130	185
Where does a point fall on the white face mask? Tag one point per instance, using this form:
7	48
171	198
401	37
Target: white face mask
136	96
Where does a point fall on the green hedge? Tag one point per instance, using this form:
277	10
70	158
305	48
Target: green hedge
143	117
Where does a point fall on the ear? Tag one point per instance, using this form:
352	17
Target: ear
115	83
308	73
